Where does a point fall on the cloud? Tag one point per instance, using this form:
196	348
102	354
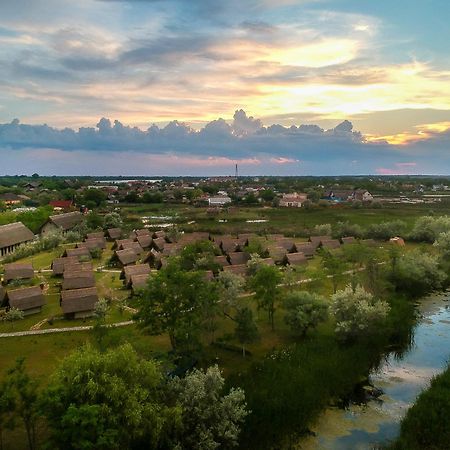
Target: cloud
177	148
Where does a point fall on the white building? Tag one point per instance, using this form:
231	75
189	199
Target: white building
293	200
219	200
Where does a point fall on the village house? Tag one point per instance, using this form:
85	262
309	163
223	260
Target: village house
79	303
11	199
61	205
29	300
220	200
12	235
349	195
62	222
18	271
293	200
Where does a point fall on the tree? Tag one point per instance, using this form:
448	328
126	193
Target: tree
173	302
112	220
25	397
442	243
94	196
231	286
265	284
357	312
418	273
334	267
94	221
105	401
304	311
6	409
246	330
12	315
210	419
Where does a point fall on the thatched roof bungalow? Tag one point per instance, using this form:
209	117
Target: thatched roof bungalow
138	269
126	257
12	235
62	222
29	300
79	303
18	271
78	280
113	233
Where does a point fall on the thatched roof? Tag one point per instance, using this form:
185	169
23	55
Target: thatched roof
138	281
126	257
159	234
138	269
25	298
316	240
305	247
78	267
58	264
238	258
143	232
78	280
286	243
78	300
145	241
222	260
120	242
159	243
67	221
229	245
331	244
240	269
132	246
80	252
18	271
95	235
93	243
171	249
276	253
14	233
296	259
348	240
114	233
268	261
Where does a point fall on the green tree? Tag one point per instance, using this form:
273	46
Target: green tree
94	221
246	330
94	196
211	419
13	315
112	220
106	401
334	267
173	303
265	284
442	243
6	409
357	312
25	397
231	286
304	310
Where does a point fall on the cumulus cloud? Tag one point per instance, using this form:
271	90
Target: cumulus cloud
177	148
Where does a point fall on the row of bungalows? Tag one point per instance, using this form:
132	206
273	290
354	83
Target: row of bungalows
12	235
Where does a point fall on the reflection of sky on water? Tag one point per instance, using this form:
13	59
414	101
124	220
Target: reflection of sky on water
360	428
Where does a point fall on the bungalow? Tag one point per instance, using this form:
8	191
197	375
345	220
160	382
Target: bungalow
78	267
132	246
17	271
58	264
95	235
12	235
296	259
138	269
119	242
126	257
62	222
229	244
78	280
137	282
330	244
350	195
145	241
82	253
397	241
221	200
221	260
93	243
317	240
276	253
293	200
286	243
113	233
11	199
79	303
238	258
307	248
159	234
158	244
348	240
29	300
61	205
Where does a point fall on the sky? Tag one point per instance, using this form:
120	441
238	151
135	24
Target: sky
173	87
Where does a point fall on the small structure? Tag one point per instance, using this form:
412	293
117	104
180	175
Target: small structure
220	200
307	248
296	259
78	280
158	244
79	303
61	205
12	235
330	244
276	253
93	243
59	264
18	271
113	233
29	300
221	260
229	244
286	243
145	241
126	257
293	200
129	271
397	240
348	240
137	282
95	235
82	253
317	240
238	258
132	246
62	222
119	242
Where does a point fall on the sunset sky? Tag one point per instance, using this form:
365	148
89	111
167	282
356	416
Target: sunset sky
191	87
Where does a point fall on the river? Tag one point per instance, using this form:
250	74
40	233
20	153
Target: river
401	379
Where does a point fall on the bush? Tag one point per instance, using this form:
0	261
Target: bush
428	228
386	230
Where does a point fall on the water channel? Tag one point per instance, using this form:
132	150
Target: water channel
401	379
